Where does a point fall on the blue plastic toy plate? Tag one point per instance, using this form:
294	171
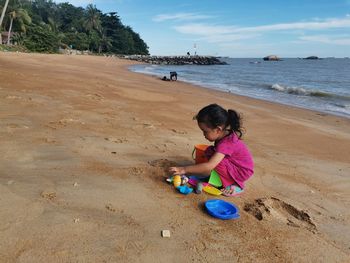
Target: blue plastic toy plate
222	209
184	189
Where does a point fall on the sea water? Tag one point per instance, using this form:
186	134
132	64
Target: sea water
322	85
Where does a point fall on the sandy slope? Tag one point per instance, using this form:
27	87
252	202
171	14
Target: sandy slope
85	145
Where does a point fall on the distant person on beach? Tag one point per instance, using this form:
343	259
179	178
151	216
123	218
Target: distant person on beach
173	75
229	156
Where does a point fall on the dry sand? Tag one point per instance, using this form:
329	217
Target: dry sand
85	145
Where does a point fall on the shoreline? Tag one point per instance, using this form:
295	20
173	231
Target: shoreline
315	99
127	67
86	145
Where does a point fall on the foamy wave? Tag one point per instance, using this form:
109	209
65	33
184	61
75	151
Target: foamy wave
344	106
306	92
290	90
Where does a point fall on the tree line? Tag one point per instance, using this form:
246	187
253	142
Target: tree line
44	26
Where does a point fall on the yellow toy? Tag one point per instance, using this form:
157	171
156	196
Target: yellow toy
177	180
211	190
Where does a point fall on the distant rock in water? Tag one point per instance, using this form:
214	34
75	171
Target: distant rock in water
312	57
272	58
176	60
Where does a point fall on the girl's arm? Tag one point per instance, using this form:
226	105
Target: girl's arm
202	168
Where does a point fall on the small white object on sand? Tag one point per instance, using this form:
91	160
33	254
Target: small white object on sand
10	182
165	233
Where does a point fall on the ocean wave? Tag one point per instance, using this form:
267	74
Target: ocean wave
151	67
307	92
344	106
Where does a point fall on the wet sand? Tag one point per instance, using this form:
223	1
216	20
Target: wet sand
85	146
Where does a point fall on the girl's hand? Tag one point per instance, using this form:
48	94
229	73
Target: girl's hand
177	170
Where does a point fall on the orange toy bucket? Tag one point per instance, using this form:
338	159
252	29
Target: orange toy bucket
199	150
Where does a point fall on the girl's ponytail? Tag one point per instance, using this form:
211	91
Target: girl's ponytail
234	121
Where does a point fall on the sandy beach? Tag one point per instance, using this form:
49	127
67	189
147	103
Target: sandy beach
85	147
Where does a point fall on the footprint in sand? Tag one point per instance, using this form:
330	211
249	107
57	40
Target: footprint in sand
179	132
49	140
110	207
63	123
274	208
48	195
136	171
13	126
13	97
116	140
159	148
148	126
95	96
131	247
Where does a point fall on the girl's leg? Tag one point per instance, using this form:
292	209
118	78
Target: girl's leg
230	187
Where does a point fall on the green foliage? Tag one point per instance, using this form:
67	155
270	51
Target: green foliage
5	48
40	38
78	41
92	19
70	18
20	17
64	25
123	39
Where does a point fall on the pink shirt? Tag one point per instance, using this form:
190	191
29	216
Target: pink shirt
237	165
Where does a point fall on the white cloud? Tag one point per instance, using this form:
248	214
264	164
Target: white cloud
179	17
215	34
336	40
221	33
326	24
222	38
204	29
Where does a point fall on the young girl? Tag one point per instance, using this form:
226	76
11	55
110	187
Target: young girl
229	156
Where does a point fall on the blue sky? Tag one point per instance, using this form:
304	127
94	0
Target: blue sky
235	28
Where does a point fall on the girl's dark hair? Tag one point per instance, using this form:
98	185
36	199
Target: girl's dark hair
214	115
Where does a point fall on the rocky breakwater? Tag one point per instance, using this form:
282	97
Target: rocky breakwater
177	60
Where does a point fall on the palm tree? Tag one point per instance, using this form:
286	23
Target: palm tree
2	18
20	15
92	25
105	42
92	19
